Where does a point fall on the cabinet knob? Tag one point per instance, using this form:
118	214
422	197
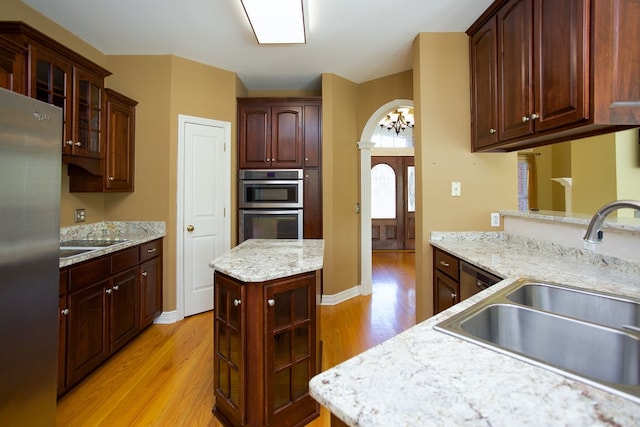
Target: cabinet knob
271	302
492	131
237	302
525	119
116	287
65	311
108	290
534	116
190	228
306	159
145	274
453	296
111	178
77	143
69	142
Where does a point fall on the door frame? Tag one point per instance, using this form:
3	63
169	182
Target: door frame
365	145
183	120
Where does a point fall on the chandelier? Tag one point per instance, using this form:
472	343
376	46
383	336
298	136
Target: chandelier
398	120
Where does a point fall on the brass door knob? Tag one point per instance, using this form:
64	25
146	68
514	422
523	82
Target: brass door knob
190	228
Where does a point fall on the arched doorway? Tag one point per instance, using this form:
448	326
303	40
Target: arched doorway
366	145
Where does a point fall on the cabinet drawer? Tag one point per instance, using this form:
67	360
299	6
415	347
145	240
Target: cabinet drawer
150	250
124	259
89	273
446	263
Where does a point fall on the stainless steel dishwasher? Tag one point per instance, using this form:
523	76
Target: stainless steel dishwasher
474	280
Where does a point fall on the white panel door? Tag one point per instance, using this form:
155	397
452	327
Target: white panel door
206	208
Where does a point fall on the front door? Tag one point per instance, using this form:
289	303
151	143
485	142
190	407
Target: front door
392	203
205	225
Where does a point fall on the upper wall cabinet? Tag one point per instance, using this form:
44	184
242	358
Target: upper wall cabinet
12	65
551	71
277	132
118	175
59	76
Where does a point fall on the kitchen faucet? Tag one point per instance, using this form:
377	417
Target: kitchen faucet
594	232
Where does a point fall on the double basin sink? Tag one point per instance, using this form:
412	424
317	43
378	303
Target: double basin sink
590	336
71	248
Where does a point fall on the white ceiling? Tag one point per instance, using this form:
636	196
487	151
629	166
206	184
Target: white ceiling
359	40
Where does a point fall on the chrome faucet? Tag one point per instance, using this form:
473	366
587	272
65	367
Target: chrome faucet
594	232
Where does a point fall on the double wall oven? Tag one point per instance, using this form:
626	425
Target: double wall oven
270	204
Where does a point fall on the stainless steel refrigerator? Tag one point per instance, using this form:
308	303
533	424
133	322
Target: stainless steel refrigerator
30	165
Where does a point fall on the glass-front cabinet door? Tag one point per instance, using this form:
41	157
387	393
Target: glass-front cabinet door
229	349
87	115
51	83
290	348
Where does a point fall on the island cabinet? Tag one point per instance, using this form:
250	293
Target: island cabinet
265	350
104	303
550	71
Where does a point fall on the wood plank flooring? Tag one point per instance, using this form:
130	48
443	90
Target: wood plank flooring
165	376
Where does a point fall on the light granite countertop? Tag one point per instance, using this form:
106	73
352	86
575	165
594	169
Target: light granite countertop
259	260
134	232
428	378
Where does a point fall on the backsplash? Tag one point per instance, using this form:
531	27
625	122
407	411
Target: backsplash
112	229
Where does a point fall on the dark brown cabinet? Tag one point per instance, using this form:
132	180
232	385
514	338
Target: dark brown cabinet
150	282
12	66
57	75
265	350
544	72
104	303
270	135
285	133
446	280
484	85
119	149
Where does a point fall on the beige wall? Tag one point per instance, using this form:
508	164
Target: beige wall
442	135
593	167
340	182
166	86
375	93
15	10
627	168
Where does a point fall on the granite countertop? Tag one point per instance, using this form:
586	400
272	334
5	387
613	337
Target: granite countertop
425	377
134	232
259	260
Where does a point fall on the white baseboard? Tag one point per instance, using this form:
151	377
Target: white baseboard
167	317
340	296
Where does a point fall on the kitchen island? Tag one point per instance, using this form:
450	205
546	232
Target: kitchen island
425	377
267	331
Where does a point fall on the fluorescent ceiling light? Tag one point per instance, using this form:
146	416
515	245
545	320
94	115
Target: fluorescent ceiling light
276	21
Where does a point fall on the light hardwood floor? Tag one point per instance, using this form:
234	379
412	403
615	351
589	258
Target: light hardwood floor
165	376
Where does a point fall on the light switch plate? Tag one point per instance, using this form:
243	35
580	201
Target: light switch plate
456	189
495	219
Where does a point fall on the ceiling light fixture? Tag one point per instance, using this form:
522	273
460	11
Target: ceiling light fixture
276	21
398	120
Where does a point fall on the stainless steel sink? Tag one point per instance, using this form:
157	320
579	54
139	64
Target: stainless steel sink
69	248
67	253
585	335
601	308
91	243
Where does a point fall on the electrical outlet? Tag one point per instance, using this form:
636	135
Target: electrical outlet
456	189
495	219
80	215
